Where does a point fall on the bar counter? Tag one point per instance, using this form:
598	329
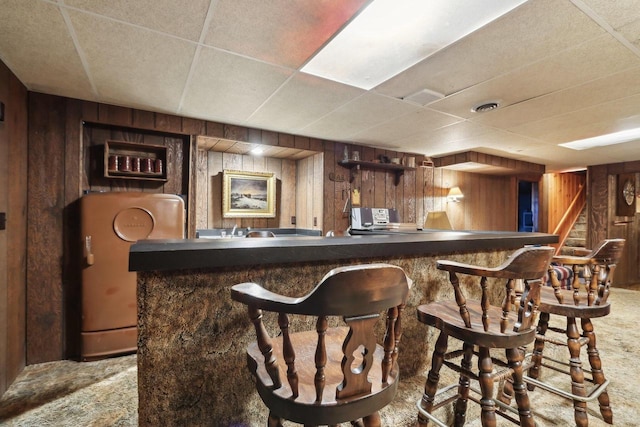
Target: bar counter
192	336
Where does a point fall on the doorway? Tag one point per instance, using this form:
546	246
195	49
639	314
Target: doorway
528	202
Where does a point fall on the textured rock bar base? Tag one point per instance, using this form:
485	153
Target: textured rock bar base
192	336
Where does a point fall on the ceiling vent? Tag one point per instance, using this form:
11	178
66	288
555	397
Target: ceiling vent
424	97
485	106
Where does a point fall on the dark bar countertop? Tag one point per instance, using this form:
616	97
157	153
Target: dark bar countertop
155	255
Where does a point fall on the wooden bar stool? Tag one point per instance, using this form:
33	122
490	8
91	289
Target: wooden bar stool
481	327
583	301
333	373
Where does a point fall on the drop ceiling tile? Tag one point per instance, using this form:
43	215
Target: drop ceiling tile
525	35
617	13
608	88
591	60
182	19
555	159
362	113
498	142
36	46
632	33
508	142
419	122
229	87
280	32
458	136
139	67
302	100
605	118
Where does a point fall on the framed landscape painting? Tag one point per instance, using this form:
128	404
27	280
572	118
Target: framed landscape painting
248	194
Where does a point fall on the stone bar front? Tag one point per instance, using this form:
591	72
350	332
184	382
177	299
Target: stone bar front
192	336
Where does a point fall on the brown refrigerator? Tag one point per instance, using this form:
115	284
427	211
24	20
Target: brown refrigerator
110	223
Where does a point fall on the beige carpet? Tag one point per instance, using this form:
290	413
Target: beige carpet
104	393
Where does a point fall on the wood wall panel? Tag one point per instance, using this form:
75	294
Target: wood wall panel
202	193
13	240
288	198
71	250
559	189
45	231
603	223
6	370
303	200
318	187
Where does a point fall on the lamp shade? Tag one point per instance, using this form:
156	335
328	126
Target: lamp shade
455	194
437	220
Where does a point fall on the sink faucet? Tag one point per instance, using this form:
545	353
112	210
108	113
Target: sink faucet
233	232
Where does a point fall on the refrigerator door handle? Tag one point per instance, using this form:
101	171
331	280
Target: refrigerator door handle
87	250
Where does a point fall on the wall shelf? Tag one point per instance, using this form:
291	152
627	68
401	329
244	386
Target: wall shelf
131	160
355	165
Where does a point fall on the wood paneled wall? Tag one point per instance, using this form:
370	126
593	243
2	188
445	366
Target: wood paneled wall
57	177
309	203
377	187
299	190
603	223
558	191
13	239
490	202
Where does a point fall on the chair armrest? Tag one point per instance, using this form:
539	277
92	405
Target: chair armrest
581	252
459	267
572	259
256	296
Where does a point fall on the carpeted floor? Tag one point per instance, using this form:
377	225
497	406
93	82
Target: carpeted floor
104	393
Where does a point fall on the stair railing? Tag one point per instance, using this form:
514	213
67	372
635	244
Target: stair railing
570	217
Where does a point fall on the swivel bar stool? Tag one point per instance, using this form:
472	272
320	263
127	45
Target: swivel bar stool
333	373
482	326
585	302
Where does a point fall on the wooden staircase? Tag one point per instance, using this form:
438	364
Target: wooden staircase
577	237
576	212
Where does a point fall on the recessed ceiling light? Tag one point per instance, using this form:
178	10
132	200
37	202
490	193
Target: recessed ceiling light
257	151
389	36
604	140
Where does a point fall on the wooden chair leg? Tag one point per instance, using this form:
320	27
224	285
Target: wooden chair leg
372	420
485	368
596	369
274	420
463	386
538	348
505	392
515	357
577	374
433	377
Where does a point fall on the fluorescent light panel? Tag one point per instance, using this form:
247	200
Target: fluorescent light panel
604	140
390	36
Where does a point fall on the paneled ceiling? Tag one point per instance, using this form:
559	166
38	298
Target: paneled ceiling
561	70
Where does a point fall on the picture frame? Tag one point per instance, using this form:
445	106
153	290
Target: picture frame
248	194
